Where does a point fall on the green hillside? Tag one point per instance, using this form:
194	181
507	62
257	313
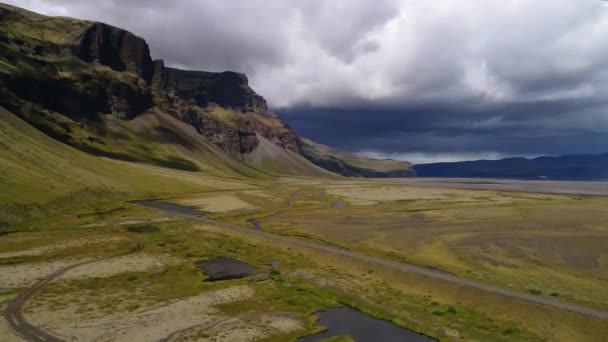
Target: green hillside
352	165
39	175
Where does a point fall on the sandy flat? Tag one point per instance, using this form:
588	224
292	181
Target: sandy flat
148	324
60	245
129	263
144	220
25	275
280	323
130	220
256	193
298	181
193	318
216	204
397	193
234	330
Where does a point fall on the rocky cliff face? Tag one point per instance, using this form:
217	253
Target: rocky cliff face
226	89
96	69
79	69
116	48
121	51
68	77
222	107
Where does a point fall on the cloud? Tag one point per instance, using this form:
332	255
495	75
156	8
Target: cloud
511	76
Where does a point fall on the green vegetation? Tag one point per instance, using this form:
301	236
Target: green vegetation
502	238
353	165
340	338
29	26
297	289
41	176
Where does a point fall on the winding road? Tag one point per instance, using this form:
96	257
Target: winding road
13	313
396	265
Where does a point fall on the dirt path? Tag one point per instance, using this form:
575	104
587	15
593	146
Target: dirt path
404	267
256	223
14	310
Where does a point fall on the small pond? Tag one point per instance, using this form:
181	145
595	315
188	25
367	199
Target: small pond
339	205
225	268
2	226
172	207
361	328
143	229
255	223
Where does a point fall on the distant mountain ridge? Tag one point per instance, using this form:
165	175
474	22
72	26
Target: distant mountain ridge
353	165
568	167
96	87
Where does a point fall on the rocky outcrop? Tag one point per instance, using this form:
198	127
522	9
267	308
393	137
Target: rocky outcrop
234	139
158	77
51	76
194	96
127	99
273	128
226	89
116	48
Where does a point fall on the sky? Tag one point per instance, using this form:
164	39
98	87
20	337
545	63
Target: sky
420	80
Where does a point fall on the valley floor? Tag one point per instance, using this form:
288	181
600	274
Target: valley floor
589	188
120	271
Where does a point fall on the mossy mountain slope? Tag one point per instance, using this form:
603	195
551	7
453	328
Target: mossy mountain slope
88	84
352	165
39	175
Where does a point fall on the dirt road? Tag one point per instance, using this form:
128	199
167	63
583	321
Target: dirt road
13	312
431	273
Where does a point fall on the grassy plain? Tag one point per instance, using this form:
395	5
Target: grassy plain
277	305
454	230
545	245
497	237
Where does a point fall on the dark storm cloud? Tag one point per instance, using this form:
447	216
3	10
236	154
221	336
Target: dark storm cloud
475	77
493	133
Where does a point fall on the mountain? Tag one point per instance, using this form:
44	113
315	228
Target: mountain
41	176
353	165
95	87
574	167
